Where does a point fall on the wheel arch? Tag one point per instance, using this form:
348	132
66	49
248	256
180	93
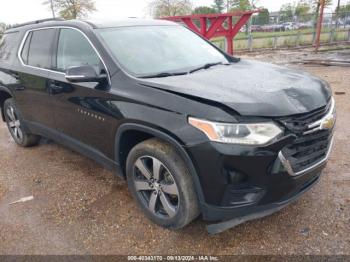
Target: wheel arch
149	132
4	95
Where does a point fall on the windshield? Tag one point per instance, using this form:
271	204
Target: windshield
152	50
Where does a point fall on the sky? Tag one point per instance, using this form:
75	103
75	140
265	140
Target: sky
20	11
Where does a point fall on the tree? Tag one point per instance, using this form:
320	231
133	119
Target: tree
302	10
235	5
316	4
72	9
343	10
219	5
337	14
316	8
204	10
286	12
2	27
162	8
262	18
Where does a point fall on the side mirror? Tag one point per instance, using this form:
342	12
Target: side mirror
84	73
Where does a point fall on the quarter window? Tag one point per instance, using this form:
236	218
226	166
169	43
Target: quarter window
75	50
8	46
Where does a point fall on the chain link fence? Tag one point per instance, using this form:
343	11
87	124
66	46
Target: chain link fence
280	31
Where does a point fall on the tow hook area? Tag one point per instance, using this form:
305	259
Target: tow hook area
261	211
225	225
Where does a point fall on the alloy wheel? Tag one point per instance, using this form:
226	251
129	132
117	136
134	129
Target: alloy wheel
156	187
14	123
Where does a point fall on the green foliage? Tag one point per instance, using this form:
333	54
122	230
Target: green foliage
235	5
343	10
219	5
286	11
72	9
302	8
262	18
163	8
204	10
315	4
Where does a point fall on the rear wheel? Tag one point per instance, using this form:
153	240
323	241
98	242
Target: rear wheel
161	184
15	126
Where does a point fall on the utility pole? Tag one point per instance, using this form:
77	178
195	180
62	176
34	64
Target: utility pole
319	25
337	14
52	9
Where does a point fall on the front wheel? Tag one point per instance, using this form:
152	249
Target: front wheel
15	126
161	184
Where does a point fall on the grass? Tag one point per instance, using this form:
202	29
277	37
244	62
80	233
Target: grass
284	39
242	35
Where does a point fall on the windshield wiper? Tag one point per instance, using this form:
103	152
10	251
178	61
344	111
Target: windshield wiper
206	66
164	74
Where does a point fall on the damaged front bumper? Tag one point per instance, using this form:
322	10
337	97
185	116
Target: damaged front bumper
243	183
260	211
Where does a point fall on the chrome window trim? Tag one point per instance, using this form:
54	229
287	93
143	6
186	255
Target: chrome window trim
58	27
289	168
317	125
76	76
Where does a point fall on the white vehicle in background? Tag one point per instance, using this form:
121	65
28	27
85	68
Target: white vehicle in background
305	25
243	29
290	26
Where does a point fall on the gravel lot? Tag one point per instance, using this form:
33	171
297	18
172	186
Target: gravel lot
81	208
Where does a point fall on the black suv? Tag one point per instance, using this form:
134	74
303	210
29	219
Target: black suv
192	129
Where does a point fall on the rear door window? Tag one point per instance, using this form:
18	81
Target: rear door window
8	46
40	48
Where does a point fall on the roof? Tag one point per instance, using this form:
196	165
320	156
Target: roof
93	24
129	22
275	13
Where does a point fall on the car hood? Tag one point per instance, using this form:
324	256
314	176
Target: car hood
251	88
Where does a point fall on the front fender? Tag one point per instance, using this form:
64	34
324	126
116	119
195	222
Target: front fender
171	140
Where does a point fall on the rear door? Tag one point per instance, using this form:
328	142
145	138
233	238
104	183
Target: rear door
8	51
32	94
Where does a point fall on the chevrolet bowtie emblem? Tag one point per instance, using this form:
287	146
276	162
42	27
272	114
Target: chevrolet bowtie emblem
328	123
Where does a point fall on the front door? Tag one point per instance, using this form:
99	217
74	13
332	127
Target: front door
80	107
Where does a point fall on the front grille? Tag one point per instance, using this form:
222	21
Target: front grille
307	150
299	124
310	147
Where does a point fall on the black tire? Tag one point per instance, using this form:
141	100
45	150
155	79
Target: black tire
173	169
15	125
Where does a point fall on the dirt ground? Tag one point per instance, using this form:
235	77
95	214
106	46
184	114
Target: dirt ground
81	208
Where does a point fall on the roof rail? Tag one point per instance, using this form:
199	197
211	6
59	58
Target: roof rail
37	22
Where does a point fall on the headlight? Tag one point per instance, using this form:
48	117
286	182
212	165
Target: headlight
245	134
